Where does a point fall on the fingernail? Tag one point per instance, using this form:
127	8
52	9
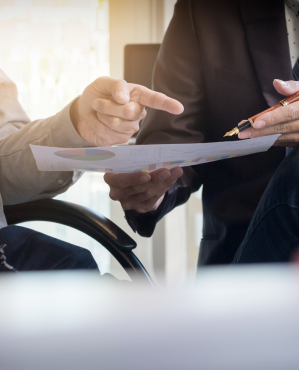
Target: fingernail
122	95
244	134
282	83
163	175
144	178
127	95
259	124
176	173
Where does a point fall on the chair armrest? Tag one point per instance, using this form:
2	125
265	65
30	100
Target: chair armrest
78	217
97	226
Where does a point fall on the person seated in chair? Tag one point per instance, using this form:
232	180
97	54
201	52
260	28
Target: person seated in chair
219	58
107	113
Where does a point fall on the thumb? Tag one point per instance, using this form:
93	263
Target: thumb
286	87
106	86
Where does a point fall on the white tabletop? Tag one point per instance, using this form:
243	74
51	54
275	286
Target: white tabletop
233	318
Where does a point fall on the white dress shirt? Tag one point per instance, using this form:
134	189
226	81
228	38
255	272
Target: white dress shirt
292	21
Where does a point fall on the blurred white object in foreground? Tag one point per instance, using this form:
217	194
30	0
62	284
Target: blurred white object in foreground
234	318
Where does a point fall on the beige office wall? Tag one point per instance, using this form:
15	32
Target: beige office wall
132	22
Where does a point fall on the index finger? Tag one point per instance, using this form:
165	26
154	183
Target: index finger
155	100
283	114
125	180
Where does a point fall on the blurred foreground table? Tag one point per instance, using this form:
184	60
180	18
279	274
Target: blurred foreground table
233	318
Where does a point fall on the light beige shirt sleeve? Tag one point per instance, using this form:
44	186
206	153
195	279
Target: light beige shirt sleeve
20	180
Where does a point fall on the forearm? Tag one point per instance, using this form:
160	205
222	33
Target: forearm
20	179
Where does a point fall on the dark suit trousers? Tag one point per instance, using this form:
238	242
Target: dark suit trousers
273	234
28	250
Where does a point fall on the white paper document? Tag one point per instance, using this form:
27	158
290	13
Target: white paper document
146	158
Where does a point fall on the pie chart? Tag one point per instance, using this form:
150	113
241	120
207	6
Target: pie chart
88	154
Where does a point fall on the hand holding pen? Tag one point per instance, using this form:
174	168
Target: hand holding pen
282	119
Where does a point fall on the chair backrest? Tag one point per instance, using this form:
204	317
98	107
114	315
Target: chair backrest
139	65
140	60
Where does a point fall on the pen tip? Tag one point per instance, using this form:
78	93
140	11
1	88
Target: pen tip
232	132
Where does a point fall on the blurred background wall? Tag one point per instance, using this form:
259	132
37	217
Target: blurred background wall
52	49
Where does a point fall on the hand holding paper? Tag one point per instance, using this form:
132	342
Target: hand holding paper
142	192
109	111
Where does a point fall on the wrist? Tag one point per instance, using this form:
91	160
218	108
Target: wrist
74	114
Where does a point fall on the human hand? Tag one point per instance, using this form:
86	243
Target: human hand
284	120
108	112
142	192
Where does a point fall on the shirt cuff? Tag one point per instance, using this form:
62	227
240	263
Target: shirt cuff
145	223
63	131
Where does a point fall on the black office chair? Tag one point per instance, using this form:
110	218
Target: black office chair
139	63
98	227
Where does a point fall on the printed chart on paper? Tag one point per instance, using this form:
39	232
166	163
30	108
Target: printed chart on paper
144	158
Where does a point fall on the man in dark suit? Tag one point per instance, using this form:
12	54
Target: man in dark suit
219	58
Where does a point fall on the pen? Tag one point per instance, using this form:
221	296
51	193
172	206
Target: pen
249	123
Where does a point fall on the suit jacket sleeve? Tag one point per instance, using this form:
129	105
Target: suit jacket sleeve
177	74
20	180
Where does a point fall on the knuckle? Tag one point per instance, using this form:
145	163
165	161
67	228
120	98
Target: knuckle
135	128
281	129
293	84
271	120
130	111
114	194
143	114
292	138
292	113
107	178
114	122
153	98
